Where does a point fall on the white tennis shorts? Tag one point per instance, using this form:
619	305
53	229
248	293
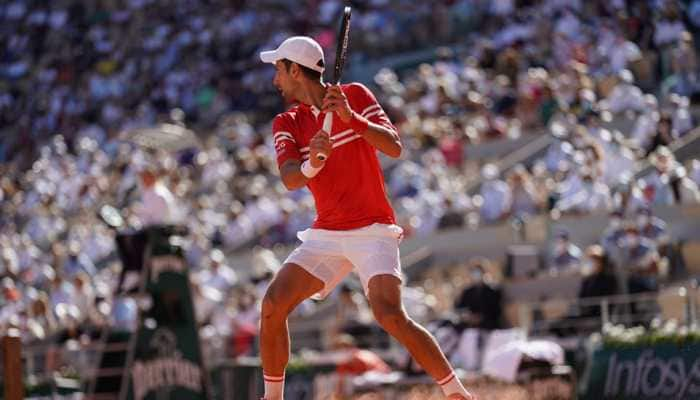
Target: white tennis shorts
331	255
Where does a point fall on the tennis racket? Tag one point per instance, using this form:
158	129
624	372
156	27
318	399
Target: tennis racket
341	53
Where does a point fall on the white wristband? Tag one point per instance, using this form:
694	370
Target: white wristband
308	170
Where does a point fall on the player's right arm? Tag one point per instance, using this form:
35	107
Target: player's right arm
289	157
291	175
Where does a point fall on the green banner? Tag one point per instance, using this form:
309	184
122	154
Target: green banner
167	358
655	372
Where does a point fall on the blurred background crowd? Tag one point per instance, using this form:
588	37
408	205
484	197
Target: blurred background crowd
610	87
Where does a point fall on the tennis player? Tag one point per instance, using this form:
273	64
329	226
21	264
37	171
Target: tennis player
355	228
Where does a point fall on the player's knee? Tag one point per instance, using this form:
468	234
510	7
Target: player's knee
391	318
274	307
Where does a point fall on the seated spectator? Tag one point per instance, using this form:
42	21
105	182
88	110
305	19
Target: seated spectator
647	123
682	118
694	174
641	261
600	281
351	361
685	190
357	361
684	65
219	275
613	233
452	218
480	303
652	228
353	315
667	183
560	149
628	196
10	301
246	322
42	323
158	205
566	256
620	160
594	195
496	195
625	95
663	136
525	198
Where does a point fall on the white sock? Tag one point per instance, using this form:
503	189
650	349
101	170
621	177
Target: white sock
451	385
274	387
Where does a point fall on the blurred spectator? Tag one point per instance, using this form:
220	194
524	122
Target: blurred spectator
11	300
479	305
452	218
218	275
41	322
561	148
599	280
496	195
246	322
613	233
684	66
647	123
663	136
620	161
594	195
78	261
625	96
565	257
669	28
352	360
652	227
157	204
683	121
352	316
526	200
84	297
667	183
694	167
628	195
641	261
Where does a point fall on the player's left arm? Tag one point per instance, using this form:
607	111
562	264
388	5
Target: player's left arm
380	133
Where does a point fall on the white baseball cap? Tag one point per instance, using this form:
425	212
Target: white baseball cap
301	49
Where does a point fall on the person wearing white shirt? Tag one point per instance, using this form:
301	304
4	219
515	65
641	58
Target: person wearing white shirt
682	120
525	198
668	31
625	95
668	183
593	196
619	160
628	195
496	195
694	167
219	275
157	204
623	53
560	149
647	122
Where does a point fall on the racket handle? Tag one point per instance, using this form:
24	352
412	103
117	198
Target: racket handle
328	122
327	126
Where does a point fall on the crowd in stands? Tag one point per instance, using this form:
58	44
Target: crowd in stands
77	77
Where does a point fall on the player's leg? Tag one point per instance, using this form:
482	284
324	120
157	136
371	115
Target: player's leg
384	296
290	286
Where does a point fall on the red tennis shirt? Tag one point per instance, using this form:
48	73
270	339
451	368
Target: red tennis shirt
349	191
